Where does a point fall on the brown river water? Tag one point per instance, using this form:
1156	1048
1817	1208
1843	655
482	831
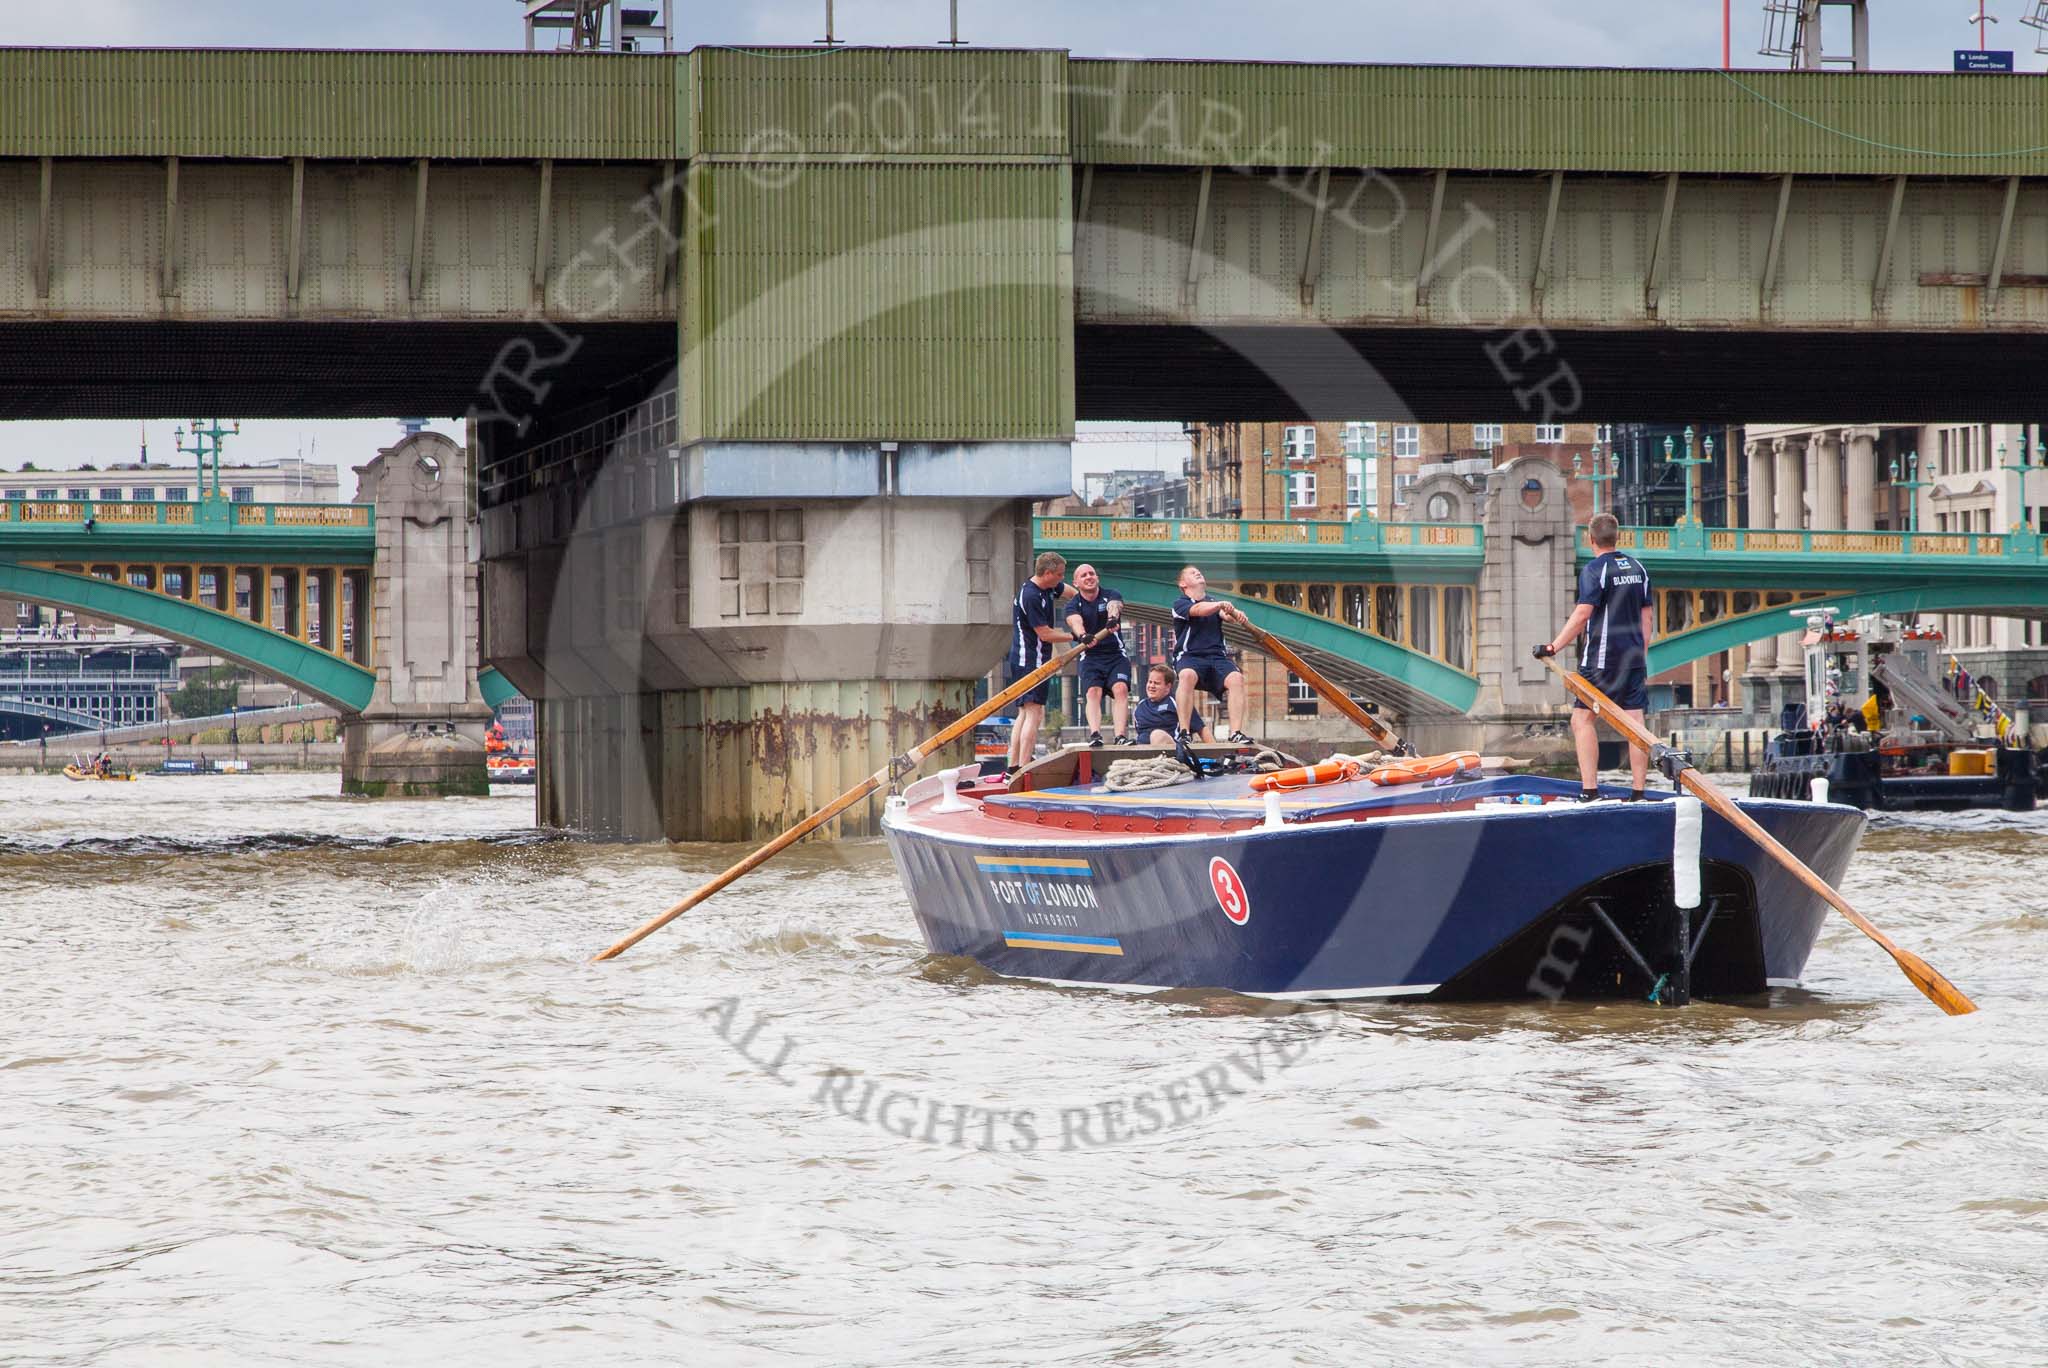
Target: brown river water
290	1079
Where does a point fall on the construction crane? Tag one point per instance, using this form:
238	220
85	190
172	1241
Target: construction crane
1792	29
602	25
2036	18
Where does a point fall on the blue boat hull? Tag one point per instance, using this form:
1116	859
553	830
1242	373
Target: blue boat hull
1493	903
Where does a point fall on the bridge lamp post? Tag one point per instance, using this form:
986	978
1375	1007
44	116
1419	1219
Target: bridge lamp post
1268	466
2021	468
1689	461
1596	479
1912	485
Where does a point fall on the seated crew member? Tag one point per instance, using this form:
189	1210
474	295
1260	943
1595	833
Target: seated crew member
1157	720
1616	616
1033	613
1199	655
1104	666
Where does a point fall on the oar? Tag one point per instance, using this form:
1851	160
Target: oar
1341	701
1923	975
889	773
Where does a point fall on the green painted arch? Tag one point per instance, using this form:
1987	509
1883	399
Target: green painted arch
495	687
344	684
1371	665
2006	592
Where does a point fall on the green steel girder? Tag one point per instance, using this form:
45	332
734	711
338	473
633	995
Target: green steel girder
1368	664
326	677
2011	591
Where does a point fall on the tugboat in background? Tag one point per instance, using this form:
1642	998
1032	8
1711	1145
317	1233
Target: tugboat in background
1885	730
505	761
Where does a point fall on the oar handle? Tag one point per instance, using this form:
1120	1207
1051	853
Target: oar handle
1309	675
896	768
1919	972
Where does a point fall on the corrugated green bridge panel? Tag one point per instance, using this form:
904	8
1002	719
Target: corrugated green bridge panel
115	102
921	104
878	302
1564	119
918	103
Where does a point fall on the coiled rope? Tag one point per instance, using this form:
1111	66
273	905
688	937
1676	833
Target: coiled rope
1163	771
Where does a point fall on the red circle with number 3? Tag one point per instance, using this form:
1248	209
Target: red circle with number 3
1230	894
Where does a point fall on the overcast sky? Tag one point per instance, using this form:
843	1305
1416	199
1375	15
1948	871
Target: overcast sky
1909	36
1906	34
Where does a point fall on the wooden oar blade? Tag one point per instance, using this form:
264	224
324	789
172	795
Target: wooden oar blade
1918	972
903	764
1930	981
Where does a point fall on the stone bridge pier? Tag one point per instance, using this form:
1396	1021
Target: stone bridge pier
719	640
422	734
1525	593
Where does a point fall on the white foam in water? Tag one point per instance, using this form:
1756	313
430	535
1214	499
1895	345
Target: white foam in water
436	939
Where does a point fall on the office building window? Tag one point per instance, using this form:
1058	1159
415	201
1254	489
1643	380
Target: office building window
1550	432
1486	436
46	493
1354	483
110	491
78	492
177	494
1301	699
242	493
1301	489
1401	486
1299	443
1407	440
17	493
142	494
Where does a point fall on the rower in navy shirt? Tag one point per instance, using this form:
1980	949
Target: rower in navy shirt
1199	655
1104	666
1033	634
1156	720
1617	617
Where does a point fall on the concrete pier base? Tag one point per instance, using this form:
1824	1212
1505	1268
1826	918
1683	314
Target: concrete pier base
436	759
740	763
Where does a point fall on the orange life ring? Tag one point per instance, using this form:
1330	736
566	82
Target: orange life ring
1306	776
1417	769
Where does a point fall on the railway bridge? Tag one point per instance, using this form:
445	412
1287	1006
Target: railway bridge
769	350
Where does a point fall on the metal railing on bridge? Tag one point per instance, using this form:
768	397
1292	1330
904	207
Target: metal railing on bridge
1820	543
180	517
1359	534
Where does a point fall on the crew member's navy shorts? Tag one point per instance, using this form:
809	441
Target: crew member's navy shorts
1210	671
1038	695
1103	674
1629	686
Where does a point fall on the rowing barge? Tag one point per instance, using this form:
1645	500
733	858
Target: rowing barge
1484	886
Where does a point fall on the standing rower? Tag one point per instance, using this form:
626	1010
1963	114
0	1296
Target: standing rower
1616	616
1104	666
1033	634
